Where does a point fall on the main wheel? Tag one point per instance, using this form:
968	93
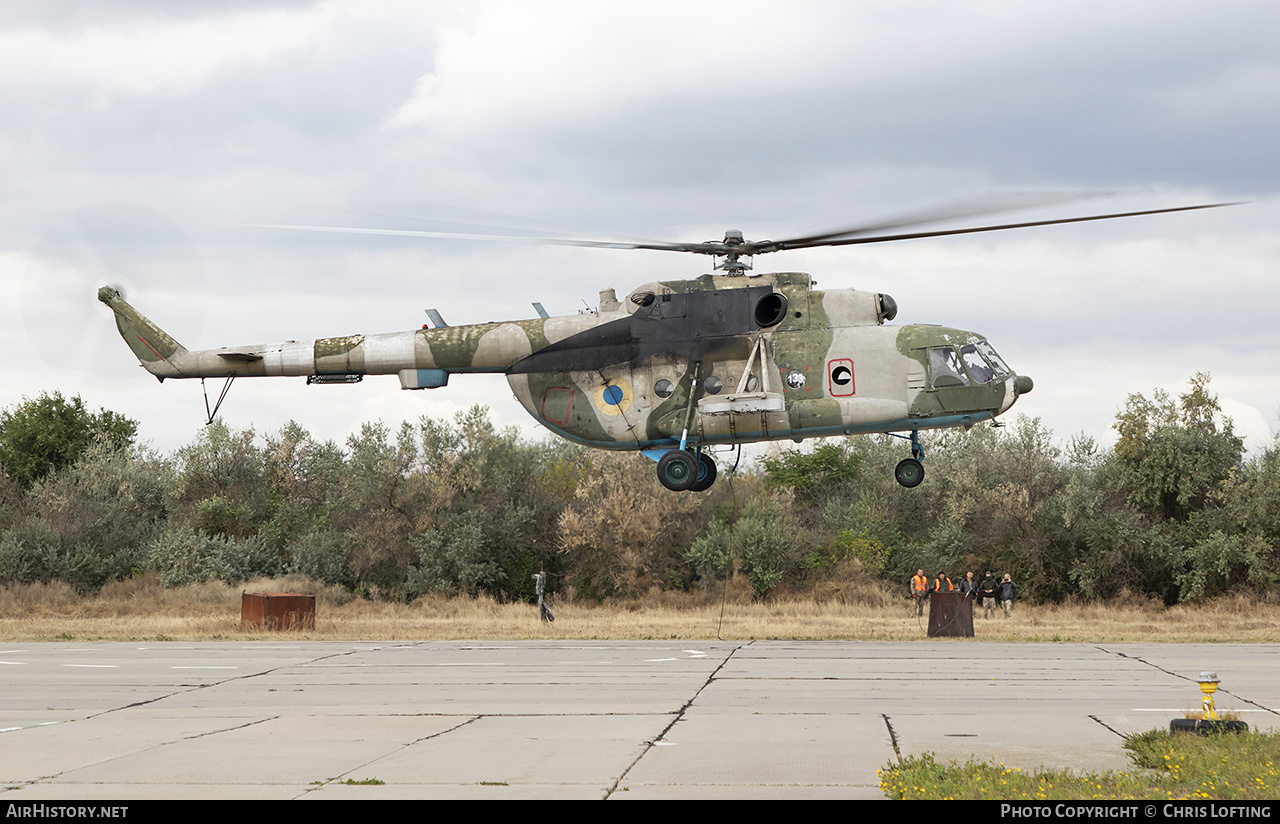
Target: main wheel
677	470
909	473
706	474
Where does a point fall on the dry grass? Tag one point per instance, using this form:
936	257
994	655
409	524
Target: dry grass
143	610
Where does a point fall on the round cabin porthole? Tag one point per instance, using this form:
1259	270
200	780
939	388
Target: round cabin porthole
771	309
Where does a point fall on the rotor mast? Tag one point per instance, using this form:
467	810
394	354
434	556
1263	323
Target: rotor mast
737	260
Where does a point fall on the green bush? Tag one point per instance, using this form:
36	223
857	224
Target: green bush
187	557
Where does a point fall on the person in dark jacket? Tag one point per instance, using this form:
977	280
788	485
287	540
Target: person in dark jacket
968	587
987	592
1005	593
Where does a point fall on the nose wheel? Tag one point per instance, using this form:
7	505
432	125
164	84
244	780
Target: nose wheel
910	471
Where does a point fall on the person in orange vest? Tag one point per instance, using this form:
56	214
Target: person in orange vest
919	590
943	583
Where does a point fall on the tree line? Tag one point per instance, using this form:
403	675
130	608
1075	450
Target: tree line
1172	511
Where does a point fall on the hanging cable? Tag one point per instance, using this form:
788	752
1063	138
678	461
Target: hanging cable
733	521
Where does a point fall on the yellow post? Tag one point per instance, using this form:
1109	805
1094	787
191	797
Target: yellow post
1208	686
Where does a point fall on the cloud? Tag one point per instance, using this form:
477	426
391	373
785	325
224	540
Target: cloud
674	121
168	56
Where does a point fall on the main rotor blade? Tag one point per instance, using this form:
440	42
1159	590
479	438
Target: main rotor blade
844	237
975	229
973	207
549	241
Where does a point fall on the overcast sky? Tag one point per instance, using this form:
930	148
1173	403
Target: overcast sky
142	142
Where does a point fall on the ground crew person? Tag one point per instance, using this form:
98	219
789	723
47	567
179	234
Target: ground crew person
943	583
919	590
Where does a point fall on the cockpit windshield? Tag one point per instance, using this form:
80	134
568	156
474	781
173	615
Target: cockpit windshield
979	369
995	360
980	361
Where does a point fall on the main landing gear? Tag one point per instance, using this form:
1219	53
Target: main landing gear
910	471
683	470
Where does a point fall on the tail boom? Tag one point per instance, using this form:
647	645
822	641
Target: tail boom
422	357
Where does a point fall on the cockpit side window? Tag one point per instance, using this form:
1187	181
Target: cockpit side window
945	369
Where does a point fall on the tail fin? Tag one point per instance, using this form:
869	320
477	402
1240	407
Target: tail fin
155	350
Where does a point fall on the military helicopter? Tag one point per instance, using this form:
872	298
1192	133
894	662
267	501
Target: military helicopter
677	367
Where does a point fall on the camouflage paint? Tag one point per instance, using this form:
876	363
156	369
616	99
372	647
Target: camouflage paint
825	366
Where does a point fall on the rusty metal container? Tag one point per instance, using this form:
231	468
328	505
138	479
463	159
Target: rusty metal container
278	610
950	615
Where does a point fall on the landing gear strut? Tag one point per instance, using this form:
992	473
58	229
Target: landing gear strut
682	469
910	471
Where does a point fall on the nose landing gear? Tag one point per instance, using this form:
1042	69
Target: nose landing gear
910	471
